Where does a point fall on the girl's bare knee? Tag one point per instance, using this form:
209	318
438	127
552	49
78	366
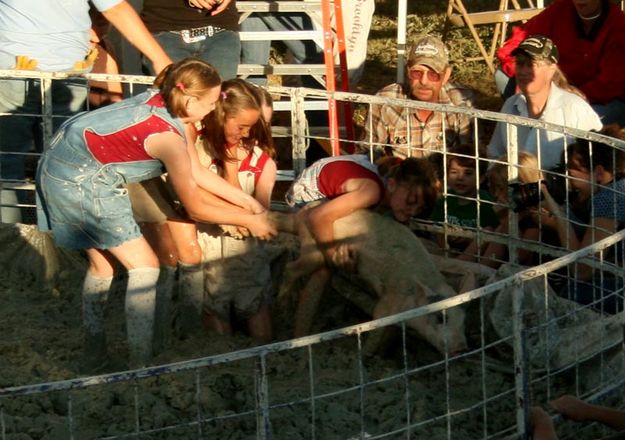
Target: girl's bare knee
191	254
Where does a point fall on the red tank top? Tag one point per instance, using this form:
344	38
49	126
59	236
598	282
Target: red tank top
128	144
334	174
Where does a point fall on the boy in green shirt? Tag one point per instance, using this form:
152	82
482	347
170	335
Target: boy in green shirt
467	205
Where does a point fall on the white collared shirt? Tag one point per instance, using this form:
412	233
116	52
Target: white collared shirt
562	108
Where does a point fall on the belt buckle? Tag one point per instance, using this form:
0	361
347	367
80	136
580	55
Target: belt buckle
188	36
207	31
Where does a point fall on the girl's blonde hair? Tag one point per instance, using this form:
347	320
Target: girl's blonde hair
187	77
560	80
236	95
528	170
264	96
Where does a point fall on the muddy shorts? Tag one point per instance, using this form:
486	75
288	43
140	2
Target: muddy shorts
238	277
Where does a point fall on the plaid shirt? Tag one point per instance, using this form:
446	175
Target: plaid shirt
397	132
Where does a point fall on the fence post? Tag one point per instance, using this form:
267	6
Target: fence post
47	124
298	130
263	424
521	362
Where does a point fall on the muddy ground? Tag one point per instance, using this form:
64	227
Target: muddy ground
40	328
42	341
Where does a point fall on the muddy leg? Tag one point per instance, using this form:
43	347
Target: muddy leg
309	302
378	341
94	297
191	293
259	325
212	322
163	309
139	308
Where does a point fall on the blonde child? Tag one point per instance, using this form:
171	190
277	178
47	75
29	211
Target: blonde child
493	254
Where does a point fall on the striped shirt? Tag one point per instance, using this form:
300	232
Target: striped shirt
397	131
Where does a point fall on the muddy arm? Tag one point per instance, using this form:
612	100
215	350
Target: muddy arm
283	222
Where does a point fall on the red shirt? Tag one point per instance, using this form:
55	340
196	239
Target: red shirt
128	144
594	63
334	174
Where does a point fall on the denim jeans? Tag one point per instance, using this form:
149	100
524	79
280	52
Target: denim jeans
222	51
83	198
257	52
20	135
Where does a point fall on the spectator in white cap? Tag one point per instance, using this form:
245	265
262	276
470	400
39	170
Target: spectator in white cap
544	95
404	132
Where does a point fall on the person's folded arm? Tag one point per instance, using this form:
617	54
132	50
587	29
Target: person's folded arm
216	185
321	219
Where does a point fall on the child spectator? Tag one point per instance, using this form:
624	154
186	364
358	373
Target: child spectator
465	205
493	254
596	171
80	182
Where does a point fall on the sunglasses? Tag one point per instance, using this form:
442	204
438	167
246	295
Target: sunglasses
417	75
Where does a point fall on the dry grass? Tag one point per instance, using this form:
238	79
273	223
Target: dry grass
428	17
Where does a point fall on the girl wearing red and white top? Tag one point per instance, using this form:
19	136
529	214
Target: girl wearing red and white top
238	141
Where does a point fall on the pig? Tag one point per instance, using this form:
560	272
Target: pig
391	261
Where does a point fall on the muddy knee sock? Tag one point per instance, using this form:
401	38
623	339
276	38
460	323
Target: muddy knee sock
94	297
139	307
162	311
191	293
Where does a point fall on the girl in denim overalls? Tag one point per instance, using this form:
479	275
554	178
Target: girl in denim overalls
81	182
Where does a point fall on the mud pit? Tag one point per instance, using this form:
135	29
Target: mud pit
42	342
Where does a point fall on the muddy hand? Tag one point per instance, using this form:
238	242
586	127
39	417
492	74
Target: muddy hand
260	227
345	257
238	232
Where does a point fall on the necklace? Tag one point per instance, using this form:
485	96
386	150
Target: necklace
592	17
